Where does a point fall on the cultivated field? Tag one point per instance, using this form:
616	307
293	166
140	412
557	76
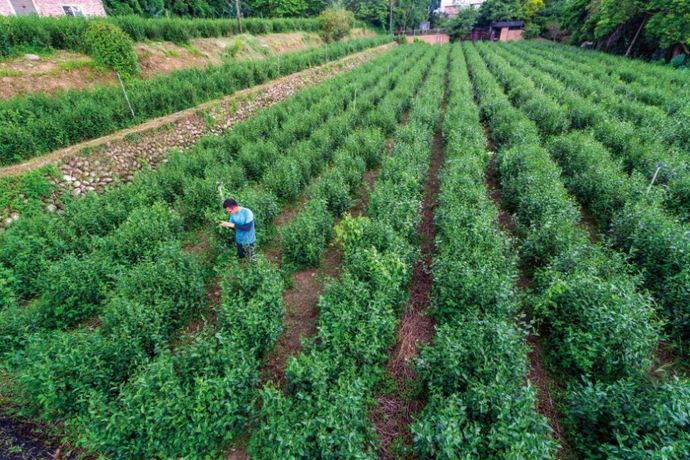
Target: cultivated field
465	251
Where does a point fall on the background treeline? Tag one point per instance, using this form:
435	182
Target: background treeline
406	13
653	29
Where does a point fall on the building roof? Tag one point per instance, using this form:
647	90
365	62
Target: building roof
500	24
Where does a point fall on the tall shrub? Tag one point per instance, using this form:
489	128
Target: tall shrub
335	23
111	47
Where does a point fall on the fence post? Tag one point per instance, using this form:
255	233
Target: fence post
125	93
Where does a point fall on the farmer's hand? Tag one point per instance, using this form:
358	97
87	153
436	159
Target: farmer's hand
227	224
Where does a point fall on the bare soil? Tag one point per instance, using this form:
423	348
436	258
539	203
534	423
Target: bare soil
24	440
544	384
394	411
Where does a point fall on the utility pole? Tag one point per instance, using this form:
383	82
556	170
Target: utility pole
390	16
237	9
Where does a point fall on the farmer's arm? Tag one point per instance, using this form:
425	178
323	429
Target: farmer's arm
245	227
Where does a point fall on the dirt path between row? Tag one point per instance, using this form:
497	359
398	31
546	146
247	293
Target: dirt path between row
249	100
394	411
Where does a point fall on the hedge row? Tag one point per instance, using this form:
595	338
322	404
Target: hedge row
305	238
474	372
656	241
618	410
325	411
579	286
30	125
100	401
104	229
18	33
642	146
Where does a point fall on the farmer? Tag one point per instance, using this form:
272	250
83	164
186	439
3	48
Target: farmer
242	220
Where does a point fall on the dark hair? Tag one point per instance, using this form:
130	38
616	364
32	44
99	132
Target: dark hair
229	203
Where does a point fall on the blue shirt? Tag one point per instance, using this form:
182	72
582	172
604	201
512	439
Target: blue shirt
244	226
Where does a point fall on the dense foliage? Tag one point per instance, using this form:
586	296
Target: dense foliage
335	23
588	296
475	369
325	413
111	47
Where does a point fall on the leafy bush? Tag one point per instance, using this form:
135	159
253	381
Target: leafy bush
8	298
111	47
630	419
74	289
579	294
333	190
142	232
335	23
304	239
484	422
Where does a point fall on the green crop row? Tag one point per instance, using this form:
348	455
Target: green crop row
475	370
589	302
653	123
98	404
30	125
640	150
33	32
324	413
578	285
305	238
628	70
655	240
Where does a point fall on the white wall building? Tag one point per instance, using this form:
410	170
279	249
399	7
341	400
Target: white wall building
451	7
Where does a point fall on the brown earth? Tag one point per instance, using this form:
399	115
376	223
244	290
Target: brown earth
394	411
63	70
544	384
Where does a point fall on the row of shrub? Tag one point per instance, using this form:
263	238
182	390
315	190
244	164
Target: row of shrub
656	241
30	125
55	259
589	303
474	373
648	83
221	404
618	99
324	413
19	33
642	144
99	400
305	238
